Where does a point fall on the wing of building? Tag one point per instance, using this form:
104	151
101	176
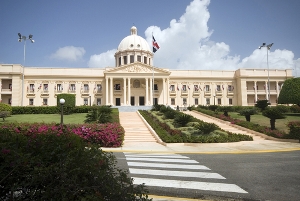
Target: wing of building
135	81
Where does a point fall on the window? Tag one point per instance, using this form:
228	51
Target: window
155	87
45	87
196	88
172	88
31	87
125	60
10	87
183	87
207	101
145	60
72	87
196	101
119	61
218	88
9	101
117	87
230	101
207	88
172	101
86	87
99	87
230	88
149	61
45	101
59	87
184	101
30	101
139	58
85	101
131	58
219	101
98	101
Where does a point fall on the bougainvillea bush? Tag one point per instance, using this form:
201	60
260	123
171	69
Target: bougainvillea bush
106	135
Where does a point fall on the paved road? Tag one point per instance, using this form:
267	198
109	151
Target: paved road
258	176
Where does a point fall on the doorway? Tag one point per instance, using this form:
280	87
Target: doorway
132	100
141	100
155	101
118	101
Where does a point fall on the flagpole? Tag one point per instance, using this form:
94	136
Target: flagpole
152	76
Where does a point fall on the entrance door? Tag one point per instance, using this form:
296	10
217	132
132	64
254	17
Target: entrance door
141	100
132	100
118	101
155	101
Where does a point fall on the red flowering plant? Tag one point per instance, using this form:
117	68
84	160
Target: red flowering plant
106	135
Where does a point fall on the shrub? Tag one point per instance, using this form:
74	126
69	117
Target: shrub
69	104
170	114
5	107
213	107
100	114
207	128
273	113
157	107
181	119
283	108
51	167
294	127
262	104
247	113
295	109
4	114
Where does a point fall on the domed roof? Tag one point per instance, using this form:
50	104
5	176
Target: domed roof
133	42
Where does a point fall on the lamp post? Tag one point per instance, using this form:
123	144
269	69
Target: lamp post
24	38
268	48
62	102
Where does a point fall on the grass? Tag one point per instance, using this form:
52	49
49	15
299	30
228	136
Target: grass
280	124
77	118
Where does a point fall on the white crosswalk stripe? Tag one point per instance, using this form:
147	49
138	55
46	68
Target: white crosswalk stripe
152	167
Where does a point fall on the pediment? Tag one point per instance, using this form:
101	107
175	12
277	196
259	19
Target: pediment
137	68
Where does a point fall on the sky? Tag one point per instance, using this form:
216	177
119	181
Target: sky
192	35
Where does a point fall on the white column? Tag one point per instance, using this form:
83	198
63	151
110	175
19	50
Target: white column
129	92
106	91
111	91
266	89
255	91
147	92
168	92
164	90
151	92
0	90
124	86
277	90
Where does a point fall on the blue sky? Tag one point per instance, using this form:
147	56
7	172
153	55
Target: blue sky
195	34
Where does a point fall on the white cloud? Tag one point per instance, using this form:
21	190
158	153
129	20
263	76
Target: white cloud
69	53
186	44
103	60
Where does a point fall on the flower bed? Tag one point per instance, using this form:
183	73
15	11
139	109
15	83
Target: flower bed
106	135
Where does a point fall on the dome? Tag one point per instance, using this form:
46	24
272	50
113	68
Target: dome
133	42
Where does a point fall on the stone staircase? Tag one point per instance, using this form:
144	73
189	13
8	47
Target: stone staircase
135	128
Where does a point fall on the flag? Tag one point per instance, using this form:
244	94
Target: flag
154	45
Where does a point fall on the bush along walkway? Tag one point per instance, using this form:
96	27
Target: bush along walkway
222	124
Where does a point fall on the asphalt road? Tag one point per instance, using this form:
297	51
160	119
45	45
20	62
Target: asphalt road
256	176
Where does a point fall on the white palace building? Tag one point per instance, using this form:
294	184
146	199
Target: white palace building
134	81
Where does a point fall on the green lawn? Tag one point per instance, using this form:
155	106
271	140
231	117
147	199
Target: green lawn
264	121
77	118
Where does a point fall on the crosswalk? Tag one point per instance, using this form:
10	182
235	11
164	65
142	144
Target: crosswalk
176	171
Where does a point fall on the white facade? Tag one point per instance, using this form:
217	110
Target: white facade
134	81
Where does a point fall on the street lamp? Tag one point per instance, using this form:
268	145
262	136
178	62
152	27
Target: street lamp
24	38
268	48
62	102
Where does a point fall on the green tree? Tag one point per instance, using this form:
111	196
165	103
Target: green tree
69	104
5	110
273	113
247	113
290	92
262	104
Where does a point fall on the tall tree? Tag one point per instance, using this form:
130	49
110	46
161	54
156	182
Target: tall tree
290	92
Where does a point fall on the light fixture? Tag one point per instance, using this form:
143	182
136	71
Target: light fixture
23	38
268	48
62	102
